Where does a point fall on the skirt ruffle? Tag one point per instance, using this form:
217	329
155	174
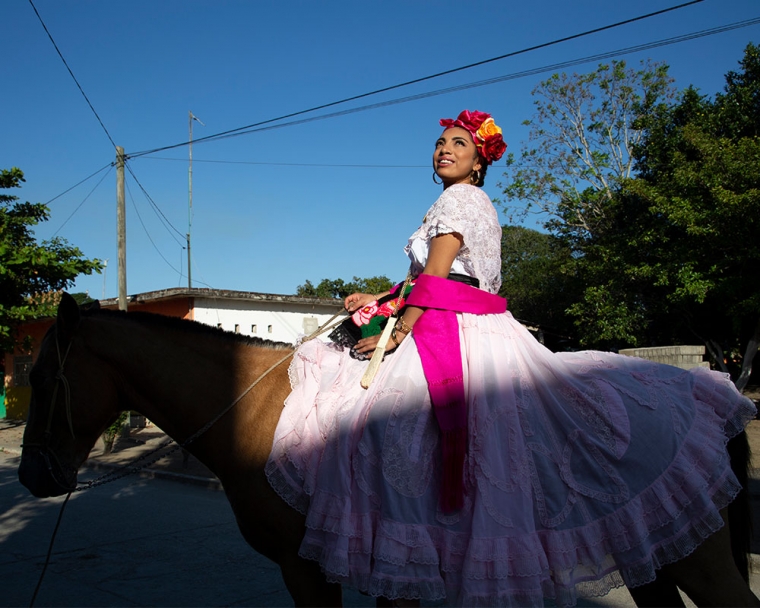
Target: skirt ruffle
584	471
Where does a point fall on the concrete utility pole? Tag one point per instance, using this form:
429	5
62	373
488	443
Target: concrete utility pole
121	228
190	118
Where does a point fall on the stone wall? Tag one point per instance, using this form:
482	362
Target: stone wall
684	357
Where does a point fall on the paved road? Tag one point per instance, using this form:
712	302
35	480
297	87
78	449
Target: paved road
140	542
135	542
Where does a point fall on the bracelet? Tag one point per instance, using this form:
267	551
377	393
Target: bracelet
402	326
393	337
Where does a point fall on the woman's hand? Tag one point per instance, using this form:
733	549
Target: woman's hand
368	345
356	301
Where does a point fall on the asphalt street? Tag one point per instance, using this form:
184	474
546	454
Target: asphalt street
141	542
135	542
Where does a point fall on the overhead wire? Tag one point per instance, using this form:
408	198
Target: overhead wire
156	208
82	203
162	217
79	183
489	81
515	75
266	125
247	162
418	80
79	86
139	217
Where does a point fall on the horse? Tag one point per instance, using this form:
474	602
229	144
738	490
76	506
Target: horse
194	382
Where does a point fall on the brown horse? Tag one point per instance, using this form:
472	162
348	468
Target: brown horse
181	375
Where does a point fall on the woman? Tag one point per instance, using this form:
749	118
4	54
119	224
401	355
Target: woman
479	466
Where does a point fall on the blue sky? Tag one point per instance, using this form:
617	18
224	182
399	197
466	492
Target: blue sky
332	198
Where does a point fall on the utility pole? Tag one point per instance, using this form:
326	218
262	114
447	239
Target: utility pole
121	228
105	272
190	118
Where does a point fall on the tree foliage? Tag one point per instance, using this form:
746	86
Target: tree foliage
698	196
30	271
338	288
534	282
580	143
666	251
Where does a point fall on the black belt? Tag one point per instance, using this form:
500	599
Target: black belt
463	278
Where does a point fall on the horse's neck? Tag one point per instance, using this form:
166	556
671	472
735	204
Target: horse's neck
181	380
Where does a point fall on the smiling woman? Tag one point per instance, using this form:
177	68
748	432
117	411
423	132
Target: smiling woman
482	468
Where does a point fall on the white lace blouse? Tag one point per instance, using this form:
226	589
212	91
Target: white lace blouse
468	211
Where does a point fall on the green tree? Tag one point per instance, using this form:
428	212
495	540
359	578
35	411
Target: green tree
338	288
580	144
535	283
30	271
580	149
681	257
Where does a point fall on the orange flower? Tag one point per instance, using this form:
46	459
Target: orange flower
488	129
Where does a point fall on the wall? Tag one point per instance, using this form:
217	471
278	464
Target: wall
684	357
17	397
176	307
276	318
280	321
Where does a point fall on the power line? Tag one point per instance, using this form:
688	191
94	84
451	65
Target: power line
422	79
139	217
152	242
480	83
81	90
245	162
159	213
80	182
82	203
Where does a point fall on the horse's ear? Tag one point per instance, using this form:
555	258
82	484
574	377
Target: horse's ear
91	306
67	318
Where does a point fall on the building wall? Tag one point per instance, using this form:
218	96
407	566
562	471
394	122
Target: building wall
176	307
685	357
281	321
18	394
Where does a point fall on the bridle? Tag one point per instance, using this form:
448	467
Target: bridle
44	448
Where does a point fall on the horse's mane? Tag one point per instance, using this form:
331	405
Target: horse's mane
185	326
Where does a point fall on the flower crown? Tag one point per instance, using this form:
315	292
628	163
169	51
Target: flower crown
485	133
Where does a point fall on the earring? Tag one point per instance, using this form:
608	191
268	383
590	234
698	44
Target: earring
435	182
475	177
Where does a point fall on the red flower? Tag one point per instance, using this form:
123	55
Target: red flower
493	148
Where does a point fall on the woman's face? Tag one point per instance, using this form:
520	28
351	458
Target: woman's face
455	157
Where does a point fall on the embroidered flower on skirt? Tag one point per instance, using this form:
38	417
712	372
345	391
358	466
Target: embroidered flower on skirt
370	320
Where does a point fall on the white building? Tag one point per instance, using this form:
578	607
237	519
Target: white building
269	316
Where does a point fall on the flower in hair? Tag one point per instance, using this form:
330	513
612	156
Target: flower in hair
486	134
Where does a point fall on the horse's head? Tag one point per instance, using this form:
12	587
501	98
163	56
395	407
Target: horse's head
66	413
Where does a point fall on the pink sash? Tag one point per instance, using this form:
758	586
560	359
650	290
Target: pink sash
436	334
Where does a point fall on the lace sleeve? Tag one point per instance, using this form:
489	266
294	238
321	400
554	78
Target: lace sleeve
467	210
449	214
